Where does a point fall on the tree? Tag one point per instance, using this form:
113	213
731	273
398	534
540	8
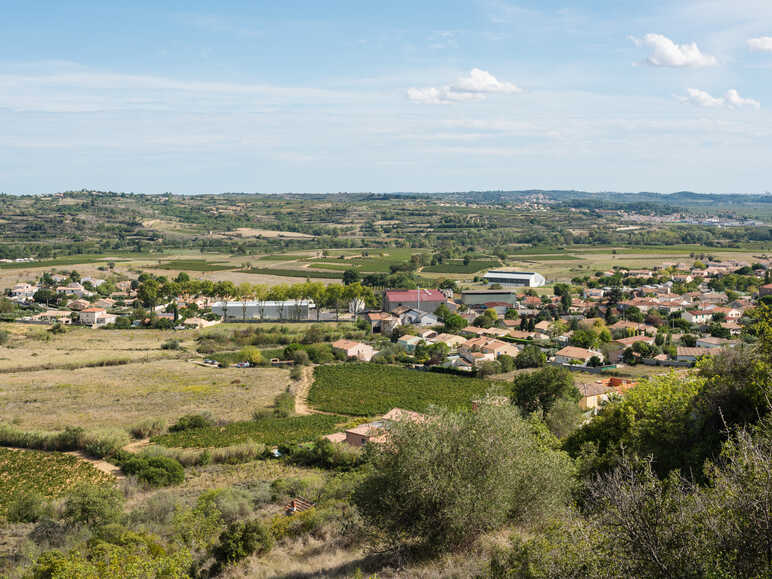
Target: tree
441	481
531	356
93	505
350	276
240	540
584	338
542	388
442	312
454	323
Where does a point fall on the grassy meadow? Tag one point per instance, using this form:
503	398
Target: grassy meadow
147	383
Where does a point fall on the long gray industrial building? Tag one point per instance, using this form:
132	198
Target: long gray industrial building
264	310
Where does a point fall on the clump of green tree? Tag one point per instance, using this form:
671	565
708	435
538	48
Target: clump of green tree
447	480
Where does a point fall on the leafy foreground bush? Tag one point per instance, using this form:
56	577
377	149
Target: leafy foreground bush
28	507
641	526
93	505
240	540
451	478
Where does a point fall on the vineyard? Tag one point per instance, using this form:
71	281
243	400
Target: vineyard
458	266
368	389
269	431
49	473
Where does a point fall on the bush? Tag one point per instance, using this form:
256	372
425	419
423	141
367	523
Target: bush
530	357
441	481
296	373
252	355
148	428
284	405
156	471
3	337
240	540
191	422
93	505
28	507
171	345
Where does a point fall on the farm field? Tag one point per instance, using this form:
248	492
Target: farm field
269	431
194	265
155	383
48	473
369	389
457	266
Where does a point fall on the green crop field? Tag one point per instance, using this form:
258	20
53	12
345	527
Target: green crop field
302	273
195	265
49	473
458	266
367	389
269	431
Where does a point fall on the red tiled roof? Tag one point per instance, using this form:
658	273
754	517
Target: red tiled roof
412	295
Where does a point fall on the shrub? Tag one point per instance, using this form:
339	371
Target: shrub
239	541
93	505
171	345
300	358
156	471
191	422
3	337
148	428
296	373
28	507
443	482
104	443
252	355
284	405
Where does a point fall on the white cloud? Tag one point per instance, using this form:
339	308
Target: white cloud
474	86
665	52
731	100
735	101
760	44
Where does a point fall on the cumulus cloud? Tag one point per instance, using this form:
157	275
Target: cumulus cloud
665	52
731	100
474	86
760	44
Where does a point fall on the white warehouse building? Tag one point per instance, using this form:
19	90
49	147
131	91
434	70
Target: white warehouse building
515	278
264	310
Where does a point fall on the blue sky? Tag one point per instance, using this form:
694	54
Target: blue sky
206	97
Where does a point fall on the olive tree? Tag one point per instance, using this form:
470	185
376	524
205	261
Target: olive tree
448	479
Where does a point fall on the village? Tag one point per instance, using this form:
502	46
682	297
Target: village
666	317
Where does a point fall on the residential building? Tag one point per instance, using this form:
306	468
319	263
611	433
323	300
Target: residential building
96	317
685	354
710	342
409	343
697	316
570	354
352	349
450	340
24	290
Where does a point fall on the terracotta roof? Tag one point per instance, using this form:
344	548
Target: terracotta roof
412	295
578	353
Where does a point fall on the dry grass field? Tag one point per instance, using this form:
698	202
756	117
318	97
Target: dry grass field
153	383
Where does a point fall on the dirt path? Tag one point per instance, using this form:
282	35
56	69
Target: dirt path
101	465
301	391
137	445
